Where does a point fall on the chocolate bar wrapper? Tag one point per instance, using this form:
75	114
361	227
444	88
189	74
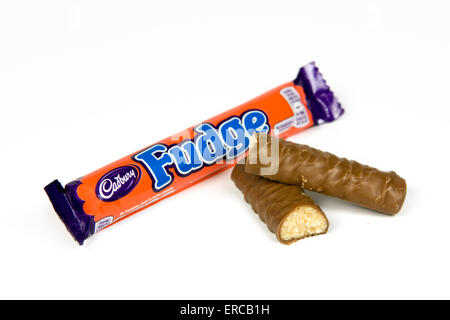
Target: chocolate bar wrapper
126	186
285	209
326	173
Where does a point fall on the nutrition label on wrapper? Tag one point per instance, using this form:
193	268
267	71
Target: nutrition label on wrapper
300	118
103	223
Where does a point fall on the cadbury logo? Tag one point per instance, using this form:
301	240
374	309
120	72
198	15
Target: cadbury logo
117	183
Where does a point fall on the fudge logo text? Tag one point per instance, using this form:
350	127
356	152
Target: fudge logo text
211	144
117	183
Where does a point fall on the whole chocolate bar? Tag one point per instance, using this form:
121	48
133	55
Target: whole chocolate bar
285	209
326	173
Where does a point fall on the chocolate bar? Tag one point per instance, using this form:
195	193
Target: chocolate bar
323	172
285	209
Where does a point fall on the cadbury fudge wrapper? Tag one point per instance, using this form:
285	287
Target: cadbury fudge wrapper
128	185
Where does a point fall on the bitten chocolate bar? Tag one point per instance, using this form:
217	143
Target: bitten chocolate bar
285	209
323	172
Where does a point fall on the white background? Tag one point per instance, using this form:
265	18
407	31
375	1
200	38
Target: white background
83	83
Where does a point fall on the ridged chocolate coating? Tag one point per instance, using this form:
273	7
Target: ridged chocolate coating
326	173
272	201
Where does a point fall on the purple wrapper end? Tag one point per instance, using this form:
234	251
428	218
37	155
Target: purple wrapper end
79	224
321	101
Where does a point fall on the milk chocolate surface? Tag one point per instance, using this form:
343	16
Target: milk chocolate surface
326	173
285	209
